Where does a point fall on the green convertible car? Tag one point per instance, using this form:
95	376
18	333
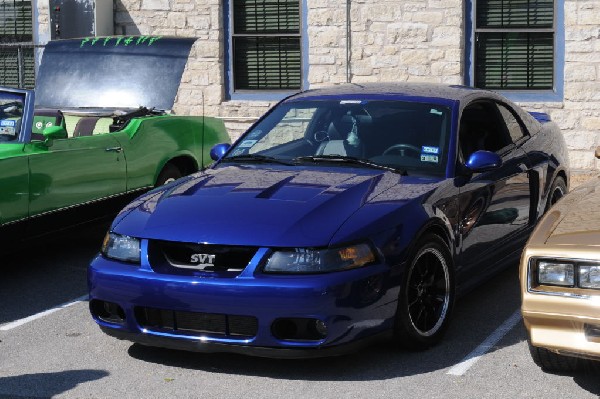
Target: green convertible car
96	132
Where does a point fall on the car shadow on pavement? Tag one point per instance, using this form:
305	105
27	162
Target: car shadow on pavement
49	272
377	362
45	385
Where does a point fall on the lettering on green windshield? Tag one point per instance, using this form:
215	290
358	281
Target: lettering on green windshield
120	40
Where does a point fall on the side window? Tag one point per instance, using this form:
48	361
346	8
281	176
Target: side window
512	123
481	129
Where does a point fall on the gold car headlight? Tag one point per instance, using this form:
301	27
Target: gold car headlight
556	273
574	273
589	276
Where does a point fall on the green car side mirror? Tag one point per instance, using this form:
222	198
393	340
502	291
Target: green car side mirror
54	133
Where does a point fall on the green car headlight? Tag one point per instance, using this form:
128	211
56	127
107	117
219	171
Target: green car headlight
120	247
306	260
589	277
556	273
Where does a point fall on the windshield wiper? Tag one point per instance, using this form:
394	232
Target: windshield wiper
255	158
350	160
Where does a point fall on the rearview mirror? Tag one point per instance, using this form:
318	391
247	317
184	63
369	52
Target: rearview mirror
482	161
219	150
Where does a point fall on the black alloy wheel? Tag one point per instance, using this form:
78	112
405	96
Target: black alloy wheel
427	296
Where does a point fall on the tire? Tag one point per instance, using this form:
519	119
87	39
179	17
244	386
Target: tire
168	174
426	296
550	361
557	191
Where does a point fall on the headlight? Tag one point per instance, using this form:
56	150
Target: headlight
589	277
305	260
556	273
119	247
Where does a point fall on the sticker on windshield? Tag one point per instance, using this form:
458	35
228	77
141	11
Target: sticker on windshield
247	143
239	151
7	130
255	134
430	150
429	158
8	123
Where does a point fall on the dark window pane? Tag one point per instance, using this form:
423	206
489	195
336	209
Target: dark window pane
266	16
515	13
15	21
9	67
267	63
514	60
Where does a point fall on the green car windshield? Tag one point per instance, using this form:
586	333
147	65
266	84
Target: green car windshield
409	137
11	113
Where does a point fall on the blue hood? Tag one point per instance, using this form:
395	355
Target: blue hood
259	206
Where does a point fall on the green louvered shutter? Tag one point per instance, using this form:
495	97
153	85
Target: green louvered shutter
514	46
17	68
266	45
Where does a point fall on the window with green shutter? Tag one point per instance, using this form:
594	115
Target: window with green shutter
514	44
17	67
266	45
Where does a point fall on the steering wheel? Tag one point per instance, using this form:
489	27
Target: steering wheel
321	136
414	151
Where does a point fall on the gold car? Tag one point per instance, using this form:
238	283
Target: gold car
560	281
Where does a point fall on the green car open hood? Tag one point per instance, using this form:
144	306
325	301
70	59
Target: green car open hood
123	72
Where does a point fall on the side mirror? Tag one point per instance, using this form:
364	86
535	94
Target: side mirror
219	150
54	133
482	161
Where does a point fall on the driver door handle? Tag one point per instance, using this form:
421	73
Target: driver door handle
114	149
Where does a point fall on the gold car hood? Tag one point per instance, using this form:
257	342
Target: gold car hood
573	221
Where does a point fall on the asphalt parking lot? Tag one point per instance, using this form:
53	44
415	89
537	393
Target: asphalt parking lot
50	347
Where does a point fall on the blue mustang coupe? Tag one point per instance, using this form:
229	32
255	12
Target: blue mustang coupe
343	215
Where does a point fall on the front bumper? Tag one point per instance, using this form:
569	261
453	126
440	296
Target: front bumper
566	325
357	306
201	346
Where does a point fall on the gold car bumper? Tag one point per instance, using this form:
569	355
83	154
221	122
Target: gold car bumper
564	325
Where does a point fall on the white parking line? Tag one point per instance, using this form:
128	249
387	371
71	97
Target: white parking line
462	367
19	323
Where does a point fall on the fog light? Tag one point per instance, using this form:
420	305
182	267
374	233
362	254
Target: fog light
321	328
107	311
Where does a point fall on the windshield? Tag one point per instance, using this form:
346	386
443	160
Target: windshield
11	112
407	136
